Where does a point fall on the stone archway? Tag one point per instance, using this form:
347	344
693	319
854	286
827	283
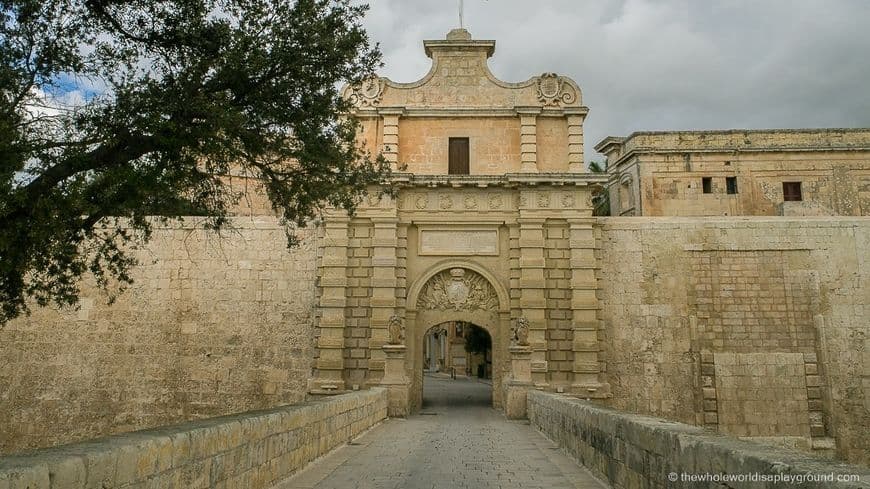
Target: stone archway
457	291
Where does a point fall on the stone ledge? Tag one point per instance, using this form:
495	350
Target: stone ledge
252	450
635	451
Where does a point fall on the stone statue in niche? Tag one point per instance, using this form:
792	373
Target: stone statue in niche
396	330
521	332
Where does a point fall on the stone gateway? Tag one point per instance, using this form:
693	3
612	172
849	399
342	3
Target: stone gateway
754	326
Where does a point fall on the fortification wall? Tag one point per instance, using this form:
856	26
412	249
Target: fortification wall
753	326
211	326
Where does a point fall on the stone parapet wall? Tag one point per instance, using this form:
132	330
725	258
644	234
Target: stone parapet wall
747	139
632	451
250	450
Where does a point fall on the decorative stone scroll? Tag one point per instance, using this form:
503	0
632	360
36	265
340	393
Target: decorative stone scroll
368	94
553	90
458	289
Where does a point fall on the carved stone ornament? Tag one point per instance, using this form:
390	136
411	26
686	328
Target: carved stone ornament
367	94
422	201
521	332
553	90
495	202
458	289
445	202
396	330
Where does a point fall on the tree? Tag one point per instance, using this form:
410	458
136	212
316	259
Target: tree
601	199
116	110
477	340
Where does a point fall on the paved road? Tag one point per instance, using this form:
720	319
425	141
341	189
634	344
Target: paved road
456	441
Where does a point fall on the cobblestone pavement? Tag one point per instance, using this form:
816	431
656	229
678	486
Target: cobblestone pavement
456	441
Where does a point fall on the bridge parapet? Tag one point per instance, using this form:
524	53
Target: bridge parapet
251	450
633	451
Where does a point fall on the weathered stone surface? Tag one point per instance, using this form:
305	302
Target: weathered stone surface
760	300
211	326
634	452
259	448
659	173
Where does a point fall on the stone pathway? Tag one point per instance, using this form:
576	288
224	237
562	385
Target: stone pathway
456	441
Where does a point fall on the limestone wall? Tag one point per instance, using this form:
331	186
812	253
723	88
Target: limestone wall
494	144
664	170
632	451
832	183
250	450
706	317
211	326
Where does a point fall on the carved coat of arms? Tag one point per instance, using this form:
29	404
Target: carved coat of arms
458	289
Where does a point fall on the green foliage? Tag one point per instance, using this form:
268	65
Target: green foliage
477	340
601	200
183	91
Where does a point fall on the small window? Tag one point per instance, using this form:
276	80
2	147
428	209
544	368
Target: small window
707	185
791	192
458	157
731	185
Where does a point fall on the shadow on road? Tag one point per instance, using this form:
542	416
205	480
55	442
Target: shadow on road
440	391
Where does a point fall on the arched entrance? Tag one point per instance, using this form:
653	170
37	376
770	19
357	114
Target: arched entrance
457	366
457	292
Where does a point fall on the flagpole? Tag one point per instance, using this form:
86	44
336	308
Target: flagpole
461	14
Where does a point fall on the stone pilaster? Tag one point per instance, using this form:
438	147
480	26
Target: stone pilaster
329	364
532	285
396	381
519	383
528	139
575	142
383	283
390	149
584	311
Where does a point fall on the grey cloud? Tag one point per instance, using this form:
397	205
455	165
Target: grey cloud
662	64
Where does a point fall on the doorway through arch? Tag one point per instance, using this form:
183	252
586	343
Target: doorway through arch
457	365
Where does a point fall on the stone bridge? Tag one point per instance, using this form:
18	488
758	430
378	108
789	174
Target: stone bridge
456	441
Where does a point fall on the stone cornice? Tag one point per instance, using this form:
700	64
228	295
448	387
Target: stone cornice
506	180
733	151
469	112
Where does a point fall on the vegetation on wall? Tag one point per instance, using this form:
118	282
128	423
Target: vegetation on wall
117	110
601	199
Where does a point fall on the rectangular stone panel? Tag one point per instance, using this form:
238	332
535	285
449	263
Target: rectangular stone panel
459	242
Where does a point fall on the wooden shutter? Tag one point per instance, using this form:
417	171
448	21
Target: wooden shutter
458	157
791	191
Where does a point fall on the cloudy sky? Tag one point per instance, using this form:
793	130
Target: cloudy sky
661	64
